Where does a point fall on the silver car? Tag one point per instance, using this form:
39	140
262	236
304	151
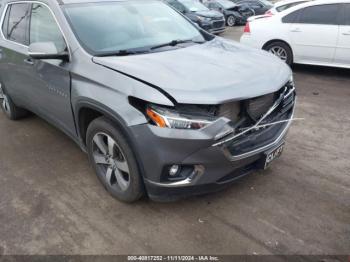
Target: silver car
161	107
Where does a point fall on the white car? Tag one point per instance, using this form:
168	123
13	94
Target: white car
284	5
316	32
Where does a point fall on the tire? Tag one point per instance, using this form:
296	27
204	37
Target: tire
114	161
11	111
231	20
281	50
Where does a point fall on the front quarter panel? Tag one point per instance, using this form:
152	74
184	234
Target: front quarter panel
101	87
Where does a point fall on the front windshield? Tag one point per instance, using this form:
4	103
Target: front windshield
226	3
194	5
107	27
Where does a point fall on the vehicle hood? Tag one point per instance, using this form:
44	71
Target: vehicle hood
215	72
209	14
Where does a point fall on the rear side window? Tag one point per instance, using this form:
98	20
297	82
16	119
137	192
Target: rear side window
320	15
282	7
15	24
292	17
285	7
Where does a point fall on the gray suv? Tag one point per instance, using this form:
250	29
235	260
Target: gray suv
161	107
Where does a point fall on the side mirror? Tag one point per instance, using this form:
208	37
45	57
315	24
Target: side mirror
46	50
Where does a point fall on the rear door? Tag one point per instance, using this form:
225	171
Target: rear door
314	35
15	72
342	55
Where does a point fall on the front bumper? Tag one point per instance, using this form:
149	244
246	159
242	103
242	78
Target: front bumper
219	159
214	27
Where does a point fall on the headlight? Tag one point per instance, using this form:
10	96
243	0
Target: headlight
169	118
203	19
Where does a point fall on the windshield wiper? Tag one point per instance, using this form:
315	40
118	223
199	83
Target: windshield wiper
176	42
124	52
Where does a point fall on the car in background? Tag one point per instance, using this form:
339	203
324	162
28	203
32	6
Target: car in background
316	33
284	5
209	20
234	14
278	7
259	7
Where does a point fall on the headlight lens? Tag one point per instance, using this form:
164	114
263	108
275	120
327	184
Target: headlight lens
204	19
291	79
169	118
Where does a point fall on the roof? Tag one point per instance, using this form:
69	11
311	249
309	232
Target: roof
311	3
94	1
285	2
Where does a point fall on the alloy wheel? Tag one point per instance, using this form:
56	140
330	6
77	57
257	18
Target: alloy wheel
1	93
6	104
5	101
231	21
111	162
279	52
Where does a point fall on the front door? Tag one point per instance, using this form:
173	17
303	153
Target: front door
52	88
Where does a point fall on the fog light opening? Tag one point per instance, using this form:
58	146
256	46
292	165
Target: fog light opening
174	170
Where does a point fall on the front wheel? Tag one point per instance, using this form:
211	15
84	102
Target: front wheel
113	160
231	20
12	111
281	50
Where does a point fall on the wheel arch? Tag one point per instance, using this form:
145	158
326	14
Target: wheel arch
278	40
87	111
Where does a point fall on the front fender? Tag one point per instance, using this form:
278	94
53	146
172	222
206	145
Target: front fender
106	100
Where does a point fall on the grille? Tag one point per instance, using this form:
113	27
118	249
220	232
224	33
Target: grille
247	112
264	136
218	24
258	106
230	110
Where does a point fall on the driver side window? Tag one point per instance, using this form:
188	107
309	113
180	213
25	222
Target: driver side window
43	27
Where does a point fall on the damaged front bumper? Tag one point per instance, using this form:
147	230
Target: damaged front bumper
213	156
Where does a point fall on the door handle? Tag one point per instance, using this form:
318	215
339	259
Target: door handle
347	33
296	30
29	61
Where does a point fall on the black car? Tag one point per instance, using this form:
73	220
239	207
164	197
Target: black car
260	7
210	20
234	13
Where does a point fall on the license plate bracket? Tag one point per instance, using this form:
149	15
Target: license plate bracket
271	155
